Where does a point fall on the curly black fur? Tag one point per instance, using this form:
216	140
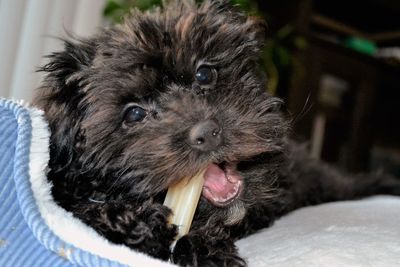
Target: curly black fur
113	174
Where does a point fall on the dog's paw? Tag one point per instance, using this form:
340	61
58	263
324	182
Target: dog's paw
195	250
141	227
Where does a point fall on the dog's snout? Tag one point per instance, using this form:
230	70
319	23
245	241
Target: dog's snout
205	135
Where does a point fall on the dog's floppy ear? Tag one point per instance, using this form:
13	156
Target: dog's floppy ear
61	94
64	68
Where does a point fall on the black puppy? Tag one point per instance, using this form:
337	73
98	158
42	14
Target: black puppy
140	105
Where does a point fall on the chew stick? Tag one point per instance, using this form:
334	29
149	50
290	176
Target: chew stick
182	199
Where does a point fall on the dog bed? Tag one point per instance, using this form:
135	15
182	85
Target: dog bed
34	231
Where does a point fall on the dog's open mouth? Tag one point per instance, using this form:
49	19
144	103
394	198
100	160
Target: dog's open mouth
222	184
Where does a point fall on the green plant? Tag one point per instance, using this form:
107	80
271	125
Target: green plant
115	10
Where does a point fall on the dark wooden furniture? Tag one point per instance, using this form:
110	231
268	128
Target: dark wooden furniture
364	74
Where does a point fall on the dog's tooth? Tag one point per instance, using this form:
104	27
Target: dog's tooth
182	199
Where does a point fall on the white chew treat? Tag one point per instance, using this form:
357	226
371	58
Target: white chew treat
182	199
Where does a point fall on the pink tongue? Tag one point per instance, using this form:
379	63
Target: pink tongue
217	186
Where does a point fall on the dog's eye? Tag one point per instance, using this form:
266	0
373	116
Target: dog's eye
134	114
205	75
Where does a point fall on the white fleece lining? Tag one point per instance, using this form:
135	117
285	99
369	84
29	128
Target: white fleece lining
61	222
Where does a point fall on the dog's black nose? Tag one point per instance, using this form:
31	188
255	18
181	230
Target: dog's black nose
205	135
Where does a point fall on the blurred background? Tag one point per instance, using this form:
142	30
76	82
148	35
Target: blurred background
335	62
